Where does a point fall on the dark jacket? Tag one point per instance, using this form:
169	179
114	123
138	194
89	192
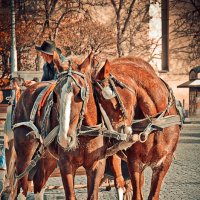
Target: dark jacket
49	72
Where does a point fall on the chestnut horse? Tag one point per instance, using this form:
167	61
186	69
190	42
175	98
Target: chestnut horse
26	141
74	98
133	95
91	151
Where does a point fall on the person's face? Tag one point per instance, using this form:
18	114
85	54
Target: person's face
46	57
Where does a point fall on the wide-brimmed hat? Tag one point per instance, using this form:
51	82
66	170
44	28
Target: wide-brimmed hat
47	47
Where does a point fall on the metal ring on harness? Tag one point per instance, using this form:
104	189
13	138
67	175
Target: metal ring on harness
142	137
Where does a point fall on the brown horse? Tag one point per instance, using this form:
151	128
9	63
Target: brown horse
75	101
46	164
128	89
90	154
26	141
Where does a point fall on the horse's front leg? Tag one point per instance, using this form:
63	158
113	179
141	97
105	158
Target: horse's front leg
67	171
25	146
137	177
94	175
158	174
115	164
46	167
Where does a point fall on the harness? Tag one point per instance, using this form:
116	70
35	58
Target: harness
44	138
141	128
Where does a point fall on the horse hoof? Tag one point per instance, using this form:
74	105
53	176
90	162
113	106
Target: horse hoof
4	196
129	191
108	188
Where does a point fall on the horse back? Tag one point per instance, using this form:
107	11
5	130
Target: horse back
151	91
26	101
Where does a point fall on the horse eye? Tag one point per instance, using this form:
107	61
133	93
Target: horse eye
54	97
79	94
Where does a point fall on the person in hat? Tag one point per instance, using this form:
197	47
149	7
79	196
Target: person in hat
47	49
49	71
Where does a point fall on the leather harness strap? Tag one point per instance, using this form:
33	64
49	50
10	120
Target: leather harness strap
47	140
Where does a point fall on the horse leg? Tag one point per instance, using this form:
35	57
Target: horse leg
94	175
158	174
10	163
67	171
136	178
46	167
115	164
25	146
142	182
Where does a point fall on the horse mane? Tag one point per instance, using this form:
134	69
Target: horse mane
136	60
63	66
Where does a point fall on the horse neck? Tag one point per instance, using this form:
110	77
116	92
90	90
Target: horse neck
91	115
152	100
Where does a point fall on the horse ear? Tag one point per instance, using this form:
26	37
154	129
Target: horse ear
57	62
86	64
104	71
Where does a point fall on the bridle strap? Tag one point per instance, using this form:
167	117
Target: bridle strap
123	109
68	74
112	80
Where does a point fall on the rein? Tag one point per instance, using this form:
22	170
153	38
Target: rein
112	80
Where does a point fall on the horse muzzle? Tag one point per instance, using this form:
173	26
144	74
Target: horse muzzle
67	142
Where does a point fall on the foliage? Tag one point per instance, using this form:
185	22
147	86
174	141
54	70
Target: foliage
186	28
78	26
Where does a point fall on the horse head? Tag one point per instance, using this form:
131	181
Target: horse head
72	95
116	97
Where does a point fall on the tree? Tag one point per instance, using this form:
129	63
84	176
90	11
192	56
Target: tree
186	28
68	23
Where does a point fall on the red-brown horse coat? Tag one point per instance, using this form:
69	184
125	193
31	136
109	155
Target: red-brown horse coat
26	145
88	152
151	97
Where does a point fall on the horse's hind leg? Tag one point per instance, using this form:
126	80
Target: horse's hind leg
159	173
46	167
94	176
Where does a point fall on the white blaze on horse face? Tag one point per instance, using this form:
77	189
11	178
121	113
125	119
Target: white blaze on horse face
65	110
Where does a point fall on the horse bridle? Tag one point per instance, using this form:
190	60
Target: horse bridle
112	84
84	91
